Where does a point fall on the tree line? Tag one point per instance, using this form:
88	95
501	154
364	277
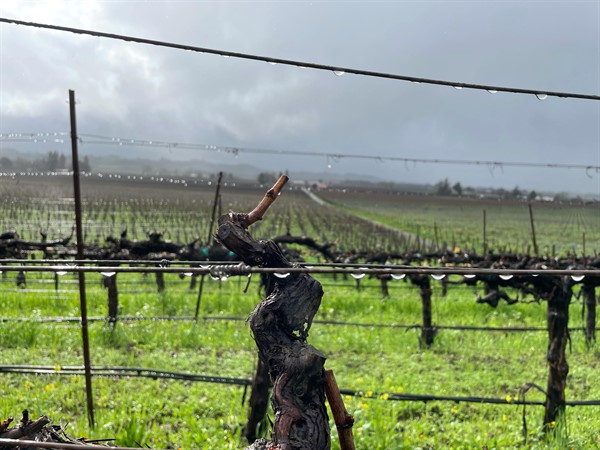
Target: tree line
51	162
444	188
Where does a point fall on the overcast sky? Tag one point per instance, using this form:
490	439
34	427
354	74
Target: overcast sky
140	91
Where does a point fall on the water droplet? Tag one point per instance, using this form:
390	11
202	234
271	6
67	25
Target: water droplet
339	73
541	96
215	277
282	275
359	275
61	273
273	63
438	276
457	87
506	277
108	274
188	274
204	267
492	91
577	277
223	277
398	276
469	275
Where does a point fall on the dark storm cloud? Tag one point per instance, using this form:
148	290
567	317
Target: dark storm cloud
141	91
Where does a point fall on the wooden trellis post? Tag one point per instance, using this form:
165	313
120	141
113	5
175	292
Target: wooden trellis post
559	297
427	330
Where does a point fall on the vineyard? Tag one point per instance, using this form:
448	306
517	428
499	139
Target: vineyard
442	361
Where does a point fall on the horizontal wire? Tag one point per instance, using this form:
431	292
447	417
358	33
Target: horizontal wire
231	270
338	70
44	320
132	372
333	156
150	143
428	398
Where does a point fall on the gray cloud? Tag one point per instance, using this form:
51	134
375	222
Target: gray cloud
141	91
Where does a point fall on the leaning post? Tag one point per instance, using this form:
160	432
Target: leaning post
80	256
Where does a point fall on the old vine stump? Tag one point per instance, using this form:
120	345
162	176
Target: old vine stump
280	325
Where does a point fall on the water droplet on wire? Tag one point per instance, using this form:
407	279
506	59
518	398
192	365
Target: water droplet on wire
398	276
541	96
469	275
438	276
282	275
358	275
577	277
492	91
107	274
506	277
457	87
339	73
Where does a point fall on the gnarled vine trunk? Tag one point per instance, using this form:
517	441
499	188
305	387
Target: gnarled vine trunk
280	325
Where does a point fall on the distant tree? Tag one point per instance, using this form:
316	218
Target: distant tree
84	166
502	193
52	161
267	177
458	188
6	163
532	196
515	193
443	187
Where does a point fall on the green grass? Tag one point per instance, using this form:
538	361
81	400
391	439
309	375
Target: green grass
372	360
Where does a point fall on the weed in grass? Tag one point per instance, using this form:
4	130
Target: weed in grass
131	433
18	335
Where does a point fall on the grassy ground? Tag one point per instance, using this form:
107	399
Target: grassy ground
374	360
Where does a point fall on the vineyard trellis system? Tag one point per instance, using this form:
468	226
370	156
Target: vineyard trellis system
551	280
224	269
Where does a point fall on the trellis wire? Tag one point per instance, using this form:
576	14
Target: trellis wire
59	319
338	70
230	269
137	372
